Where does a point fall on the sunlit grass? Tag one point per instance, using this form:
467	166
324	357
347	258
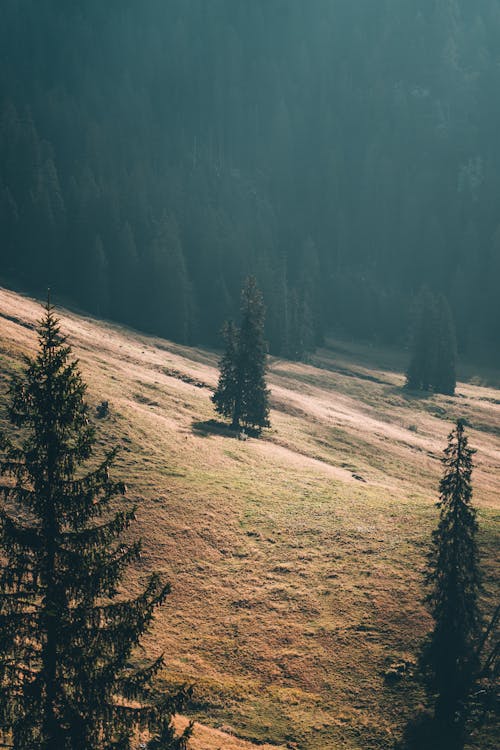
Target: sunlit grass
295	560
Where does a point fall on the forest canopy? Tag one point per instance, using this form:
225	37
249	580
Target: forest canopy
153	154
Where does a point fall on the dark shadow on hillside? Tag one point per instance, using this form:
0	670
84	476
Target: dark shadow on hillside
223	429
213	427
423	732
348	372
410	395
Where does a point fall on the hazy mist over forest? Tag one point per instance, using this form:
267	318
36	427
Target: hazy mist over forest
346	153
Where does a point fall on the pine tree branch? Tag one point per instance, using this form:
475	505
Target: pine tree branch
15	533
495	618
101	534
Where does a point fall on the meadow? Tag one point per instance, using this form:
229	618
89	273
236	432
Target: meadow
295	559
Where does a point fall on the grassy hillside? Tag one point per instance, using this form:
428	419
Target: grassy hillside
296	559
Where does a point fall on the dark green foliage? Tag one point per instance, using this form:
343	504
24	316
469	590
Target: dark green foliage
267	132
422	368
301	334
224	397
485	699
241	392
445	379
449	660
433	360
424	733
251	406
66	636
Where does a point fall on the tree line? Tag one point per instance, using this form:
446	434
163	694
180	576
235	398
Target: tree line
154	155
69	679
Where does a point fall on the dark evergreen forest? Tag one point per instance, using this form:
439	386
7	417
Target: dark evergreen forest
155	153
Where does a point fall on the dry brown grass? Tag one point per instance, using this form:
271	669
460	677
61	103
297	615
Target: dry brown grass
295	584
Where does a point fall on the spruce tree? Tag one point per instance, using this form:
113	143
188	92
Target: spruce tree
252	397
224	397
434	352
420	375
242	393
450	656
67	681
445	379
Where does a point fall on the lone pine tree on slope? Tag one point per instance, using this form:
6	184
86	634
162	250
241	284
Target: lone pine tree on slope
66	637
242	393
450	656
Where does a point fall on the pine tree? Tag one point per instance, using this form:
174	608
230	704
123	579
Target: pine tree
421	370
445	379
242	393
449	659
67	681
433	362
224	397
252	397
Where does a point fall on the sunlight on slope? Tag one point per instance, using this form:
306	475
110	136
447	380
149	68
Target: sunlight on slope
296	559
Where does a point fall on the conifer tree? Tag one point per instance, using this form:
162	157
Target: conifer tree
421	371
67	681
450	656
445	379
433	362
242	392
224	397
252	397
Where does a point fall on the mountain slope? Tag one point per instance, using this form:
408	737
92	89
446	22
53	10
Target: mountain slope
295	560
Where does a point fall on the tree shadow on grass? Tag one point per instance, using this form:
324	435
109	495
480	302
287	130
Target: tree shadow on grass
411	395
213	427
223	429
424	732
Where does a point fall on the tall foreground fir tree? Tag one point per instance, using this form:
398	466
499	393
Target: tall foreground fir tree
450	657
66	636
242	393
